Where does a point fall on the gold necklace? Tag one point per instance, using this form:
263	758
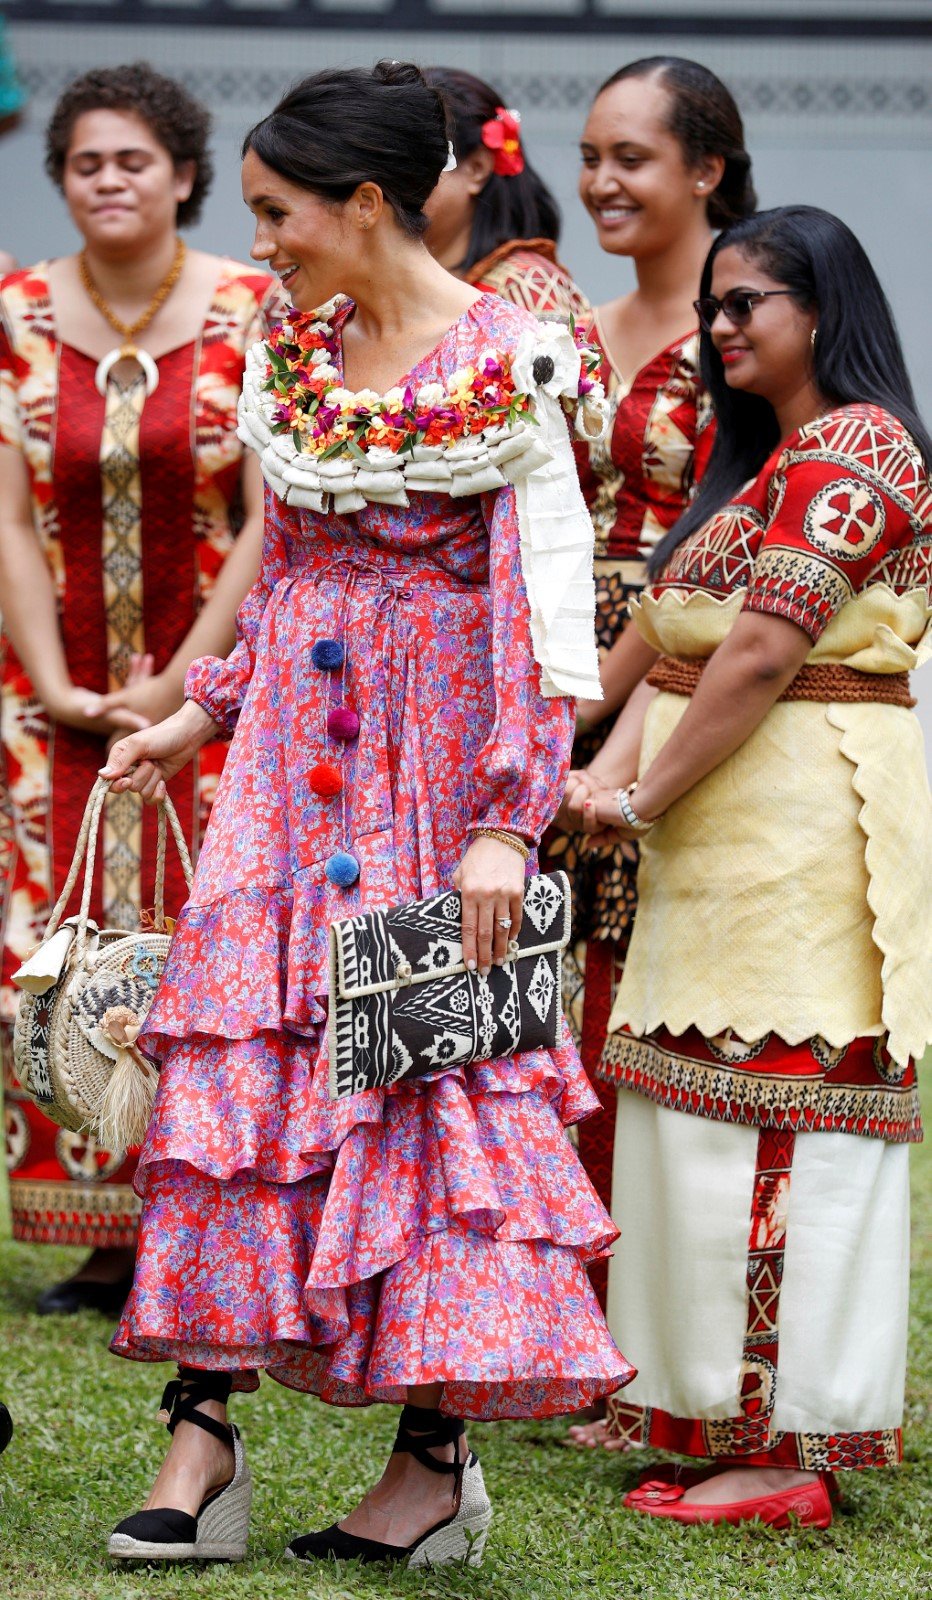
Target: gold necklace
128	331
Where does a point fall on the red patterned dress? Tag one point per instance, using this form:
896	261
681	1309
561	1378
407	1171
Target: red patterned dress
636	481
439	1230
527	272
135	502
778	985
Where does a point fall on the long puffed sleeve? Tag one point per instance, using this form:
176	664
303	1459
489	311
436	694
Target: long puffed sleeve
220	686
519	776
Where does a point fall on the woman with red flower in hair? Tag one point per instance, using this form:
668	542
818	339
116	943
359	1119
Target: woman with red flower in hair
493	221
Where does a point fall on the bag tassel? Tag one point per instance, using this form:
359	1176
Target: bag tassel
126	1103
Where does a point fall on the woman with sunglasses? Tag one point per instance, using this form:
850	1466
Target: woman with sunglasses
663	165
779	981
492	219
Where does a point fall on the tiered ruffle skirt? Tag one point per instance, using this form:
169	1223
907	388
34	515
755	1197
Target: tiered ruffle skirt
437	1233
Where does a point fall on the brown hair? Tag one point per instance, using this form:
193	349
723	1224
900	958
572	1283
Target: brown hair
520	207
705	119
178	121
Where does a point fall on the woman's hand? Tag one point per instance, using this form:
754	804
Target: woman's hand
603	823
580	784
110	715
490	879
81	708
145	761
150	696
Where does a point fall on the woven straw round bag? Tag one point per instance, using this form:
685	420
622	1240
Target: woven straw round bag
85	995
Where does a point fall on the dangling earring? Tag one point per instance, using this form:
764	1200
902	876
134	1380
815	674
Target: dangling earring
812	337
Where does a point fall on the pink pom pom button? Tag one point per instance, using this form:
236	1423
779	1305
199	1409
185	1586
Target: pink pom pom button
325	780
342	723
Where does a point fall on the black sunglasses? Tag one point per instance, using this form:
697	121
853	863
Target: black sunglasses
737	304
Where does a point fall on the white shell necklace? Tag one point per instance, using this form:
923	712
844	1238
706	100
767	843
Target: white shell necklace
128	331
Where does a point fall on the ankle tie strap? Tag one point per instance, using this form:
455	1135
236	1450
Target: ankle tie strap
431	1430
184	1393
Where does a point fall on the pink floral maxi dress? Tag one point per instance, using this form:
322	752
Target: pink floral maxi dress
437	1231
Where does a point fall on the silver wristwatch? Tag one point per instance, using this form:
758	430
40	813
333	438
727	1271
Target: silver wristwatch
629	815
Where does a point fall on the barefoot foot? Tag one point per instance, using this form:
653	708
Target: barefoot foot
594	1436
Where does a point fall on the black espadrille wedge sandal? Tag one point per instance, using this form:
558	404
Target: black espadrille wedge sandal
220	1529
460	1537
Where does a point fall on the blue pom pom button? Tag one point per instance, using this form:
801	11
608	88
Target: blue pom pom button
328	655
342	869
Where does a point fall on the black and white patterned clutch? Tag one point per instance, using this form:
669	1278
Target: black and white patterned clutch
402	1003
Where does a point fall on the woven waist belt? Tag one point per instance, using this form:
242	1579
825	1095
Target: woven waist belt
819	681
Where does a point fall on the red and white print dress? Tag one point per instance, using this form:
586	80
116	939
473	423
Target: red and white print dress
437	1231
135	502
636	481
778	986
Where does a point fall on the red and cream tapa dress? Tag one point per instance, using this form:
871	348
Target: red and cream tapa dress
437	1231
135	502
637	481
778	986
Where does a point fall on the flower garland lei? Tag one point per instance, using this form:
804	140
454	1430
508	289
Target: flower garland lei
316	439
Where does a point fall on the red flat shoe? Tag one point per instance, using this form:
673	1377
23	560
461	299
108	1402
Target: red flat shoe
809	1504
667	1475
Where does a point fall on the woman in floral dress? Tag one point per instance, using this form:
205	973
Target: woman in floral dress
428	1243
130	527
493	221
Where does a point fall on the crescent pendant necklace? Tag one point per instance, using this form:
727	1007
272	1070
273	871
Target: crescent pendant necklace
128	331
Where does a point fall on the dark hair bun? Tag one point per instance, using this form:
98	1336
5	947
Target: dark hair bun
336	130
397	73
735	196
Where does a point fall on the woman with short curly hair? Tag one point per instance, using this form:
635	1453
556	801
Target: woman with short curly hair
173	116
122	490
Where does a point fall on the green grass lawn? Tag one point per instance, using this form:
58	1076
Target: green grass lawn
87	1443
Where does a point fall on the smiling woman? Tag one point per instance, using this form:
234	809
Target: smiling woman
401	719
778	988
663	164
130	525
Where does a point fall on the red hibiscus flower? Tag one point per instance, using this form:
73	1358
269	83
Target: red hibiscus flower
503	135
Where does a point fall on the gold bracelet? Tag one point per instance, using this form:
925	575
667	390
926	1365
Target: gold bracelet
500	834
